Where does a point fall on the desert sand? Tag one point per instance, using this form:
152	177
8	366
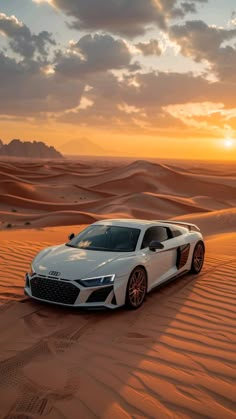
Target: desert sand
173	358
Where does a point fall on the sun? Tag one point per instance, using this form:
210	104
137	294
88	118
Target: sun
228	143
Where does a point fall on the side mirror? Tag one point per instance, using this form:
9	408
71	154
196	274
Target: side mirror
71	236
155	245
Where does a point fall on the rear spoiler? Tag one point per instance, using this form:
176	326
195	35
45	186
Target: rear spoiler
190	226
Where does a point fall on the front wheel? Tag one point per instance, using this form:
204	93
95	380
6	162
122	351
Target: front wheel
198	258
136	288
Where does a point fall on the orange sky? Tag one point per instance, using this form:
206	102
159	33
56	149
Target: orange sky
130	145
153	81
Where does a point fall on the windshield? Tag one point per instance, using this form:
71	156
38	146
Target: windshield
107	238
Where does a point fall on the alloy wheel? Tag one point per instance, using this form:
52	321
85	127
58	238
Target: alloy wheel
198	257
137	288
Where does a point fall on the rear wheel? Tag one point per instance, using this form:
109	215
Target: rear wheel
136	288
198	258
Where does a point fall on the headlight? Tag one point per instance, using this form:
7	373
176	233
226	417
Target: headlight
98	281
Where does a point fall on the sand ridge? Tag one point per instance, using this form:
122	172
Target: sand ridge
51	193
175	357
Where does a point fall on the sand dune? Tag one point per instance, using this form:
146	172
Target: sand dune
161	178
139	205
215	222
148	205
208	202
174	358
50	193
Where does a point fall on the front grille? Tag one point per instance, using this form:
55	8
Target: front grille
53	290
100	295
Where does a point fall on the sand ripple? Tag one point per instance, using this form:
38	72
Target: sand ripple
174	358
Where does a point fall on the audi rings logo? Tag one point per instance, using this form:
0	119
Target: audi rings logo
54	273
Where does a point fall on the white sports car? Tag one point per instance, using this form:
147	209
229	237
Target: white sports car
115	262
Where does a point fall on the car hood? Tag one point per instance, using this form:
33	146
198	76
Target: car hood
73	263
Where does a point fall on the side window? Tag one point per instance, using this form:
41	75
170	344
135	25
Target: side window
159	234
176	233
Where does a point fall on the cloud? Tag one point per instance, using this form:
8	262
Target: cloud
202	42
151	47
136	101
26	90
233	18
92	82
191	6
188	7
199	40
123	17
143	102
210	116
43	1
94	53
152	103
157	89
21	40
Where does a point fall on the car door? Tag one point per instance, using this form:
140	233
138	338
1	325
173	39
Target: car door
161	264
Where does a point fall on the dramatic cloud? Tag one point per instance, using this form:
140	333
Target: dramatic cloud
21	40
188	7
203	42
92	54
199	40
191	6
151	102
26	90
125	17
142	101
140	98
96	81
149	48
162	89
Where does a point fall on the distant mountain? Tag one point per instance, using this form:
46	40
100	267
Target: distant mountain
82	146
35	149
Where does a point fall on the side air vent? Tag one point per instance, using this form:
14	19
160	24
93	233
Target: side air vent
113	301
99	296
182	255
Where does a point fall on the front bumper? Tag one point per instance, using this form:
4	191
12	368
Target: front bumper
70	293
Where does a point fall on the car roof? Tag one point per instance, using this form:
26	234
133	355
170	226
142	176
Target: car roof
135	223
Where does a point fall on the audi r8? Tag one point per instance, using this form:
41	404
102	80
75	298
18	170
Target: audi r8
112	263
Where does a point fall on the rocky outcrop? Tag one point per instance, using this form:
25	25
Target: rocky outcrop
35	149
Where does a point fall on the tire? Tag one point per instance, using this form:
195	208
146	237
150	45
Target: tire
198	258
136	288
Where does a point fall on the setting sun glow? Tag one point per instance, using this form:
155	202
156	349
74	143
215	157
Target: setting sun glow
121	78
228	143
